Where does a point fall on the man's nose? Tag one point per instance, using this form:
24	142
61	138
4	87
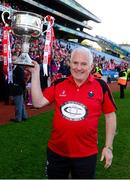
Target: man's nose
79	66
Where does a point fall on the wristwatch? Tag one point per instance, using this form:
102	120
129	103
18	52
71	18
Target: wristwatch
109	147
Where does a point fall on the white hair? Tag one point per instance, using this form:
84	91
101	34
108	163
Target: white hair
83	50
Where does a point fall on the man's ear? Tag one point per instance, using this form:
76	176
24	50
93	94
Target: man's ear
92	66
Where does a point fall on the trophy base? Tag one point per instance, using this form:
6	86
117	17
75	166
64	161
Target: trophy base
22	64
23	60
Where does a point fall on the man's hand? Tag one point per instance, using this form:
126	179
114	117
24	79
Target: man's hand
35	68
108	155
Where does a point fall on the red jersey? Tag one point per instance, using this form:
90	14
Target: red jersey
77	112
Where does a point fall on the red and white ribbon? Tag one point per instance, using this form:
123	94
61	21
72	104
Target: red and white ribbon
48	44
7	54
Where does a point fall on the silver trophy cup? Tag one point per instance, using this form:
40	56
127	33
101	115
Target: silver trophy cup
25	25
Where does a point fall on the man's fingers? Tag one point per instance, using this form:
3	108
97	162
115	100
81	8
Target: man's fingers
102	158
107	165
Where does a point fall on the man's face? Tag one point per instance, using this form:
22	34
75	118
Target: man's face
80	67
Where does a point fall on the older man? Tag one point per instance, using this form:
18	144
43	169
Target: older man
79	101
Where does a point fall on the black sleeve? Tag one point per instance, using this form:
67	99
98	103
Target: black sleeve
105	89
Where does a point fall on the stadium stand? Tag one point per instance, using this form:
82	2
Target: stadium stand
112	47
68	30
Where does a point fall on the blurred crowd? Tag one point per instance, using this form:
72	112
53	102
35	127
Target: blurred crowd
59	66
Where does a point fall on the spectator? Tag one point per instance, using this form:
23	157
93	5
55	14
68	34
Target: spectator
64	68
122	82
18	93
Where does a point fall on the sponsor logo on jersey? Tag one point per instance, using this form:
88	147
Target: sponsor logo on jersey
74	111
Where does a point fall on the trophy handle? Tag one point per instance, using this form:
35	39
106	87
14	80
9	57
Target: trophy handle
46	19
3	16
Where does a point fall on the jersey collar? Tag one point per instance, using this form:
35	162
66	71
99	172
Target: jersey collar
89	79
